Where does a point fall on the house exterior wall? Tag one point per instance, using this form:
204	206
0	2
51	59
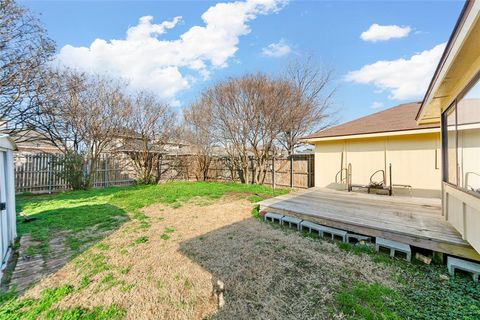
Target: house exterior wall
415	161
458	68
462	210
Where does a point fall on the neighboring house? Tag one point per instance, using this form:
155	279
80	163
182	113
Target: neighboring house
31	142
369	144
454	98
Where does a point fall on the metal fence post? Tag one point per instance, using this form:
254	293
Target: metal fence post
105	174
273	173
291	171
50	173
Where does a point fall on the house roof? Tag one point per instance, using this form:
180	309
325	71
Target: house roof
459	25
398	118
7	142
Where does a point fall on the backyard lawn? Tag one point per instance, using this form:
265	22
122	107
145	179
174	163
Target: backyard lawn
156	252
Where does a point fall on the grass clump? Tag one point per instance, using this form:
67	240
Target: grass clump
109	281
357	249
166	233
92	264
256	212
368	301
102	246
140	240
164	236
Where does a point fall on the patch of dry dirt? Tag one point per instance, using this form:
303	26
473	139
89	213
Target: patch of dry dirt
31	268
167	270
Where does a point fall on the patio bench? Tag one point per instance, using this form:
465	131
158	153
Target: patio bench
291	221
394	246
464	265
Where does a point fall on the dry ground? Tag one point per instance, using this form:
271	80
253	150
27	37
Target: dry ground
166	271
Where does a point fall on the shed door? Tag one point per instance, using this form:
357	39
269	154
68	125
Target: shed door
3	213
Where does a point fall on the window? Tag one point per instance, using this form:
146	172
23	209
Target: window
450	144
461	138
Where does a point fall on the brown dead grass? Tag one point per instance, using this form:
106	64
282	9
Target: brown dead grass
268	273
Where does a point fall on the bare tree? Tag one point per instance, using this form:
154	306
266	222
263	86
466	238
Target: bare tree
309	109
150	129
99	119
199	132
247	119
24	50
81	115
266	105
60	100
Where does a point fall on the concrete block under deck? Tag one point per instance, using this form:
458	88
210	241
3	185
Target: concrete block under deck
291	222
357	238
273	217
464	265
394	247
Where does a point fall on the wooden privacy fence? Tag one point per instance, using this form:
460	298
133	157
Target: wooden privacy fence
296	171
44	173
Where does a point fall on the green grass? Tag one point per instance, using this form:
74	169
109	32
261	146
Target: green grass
83	218
142	239
424	292
106	209
42	308
356	249
368	301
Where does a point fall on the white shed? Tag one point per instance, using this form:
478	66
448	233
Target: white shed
8	228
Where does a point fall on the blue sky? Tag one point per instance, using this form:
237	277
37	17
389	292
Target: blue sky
391	64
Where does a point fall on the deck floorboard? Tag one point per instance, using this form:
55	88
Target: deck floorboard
416	221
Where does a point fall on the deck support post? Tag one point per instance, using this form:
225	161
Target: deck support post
437	257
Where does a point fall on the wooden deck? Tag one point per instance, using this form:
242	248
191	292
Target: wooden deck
416	221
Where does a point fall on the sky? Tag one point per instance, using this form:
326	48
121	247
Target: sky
383	53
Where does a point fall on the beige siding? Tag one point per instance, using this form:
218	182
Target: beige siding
328	164
415	161
366	156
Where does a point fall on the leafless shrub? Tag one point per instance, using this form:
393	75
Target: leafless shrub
150	129
199	132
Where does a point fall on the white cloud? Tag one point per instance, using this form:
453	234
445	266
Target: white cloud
377	32
276	50
376	105
403	78
170	66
